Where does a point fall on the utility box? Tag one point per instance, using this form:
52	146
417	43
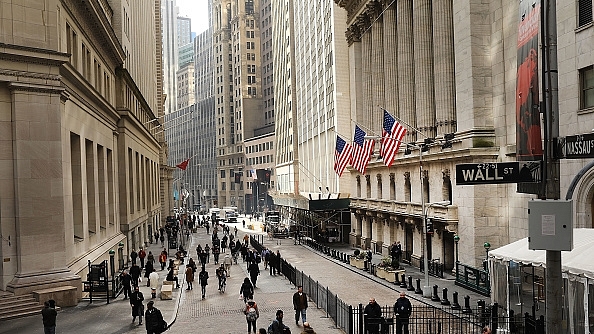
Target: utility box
550	225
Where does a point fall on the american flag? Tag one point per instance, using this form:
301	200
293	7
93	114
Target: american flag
342	155
392	135
362	150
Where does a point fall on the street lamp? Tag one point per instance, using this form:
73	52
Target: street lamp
487	245
456	239
425	207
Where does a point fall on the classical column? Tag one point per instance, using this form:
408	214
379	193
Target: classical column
443	55
406	66
366	44
391	61
423	40
374	10
355	71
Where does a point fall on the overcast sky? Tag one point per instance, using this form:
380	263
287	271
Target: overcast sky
197	10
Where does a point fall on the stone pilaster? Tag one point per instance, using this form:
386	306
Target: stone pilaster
443	55
424	86
367	79
406	66
377	66
356	72
391	60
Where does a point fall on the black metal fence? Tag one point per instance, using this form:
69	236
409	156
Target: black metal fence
426	318
475	279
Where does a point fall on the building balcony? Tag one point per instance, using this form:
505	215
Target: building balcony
447	215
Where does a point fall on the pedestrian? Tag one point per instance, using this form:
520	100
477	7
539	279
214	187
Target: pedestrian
221	274
203	278
171	278
202	258
402	310
135	273
156	237
137	307
153	319
246	290
163	260
154	279
300	305
48	315
162	238
216	251
224	243
207	228
207	251
126	283
228	262
235	229
278	262
148	269
198	250
277	326
251	315
486	330
272	263
254	271
133	256
142	256
396	253
246	239
307	329
266	257
243	222
150	257
372	311
189	276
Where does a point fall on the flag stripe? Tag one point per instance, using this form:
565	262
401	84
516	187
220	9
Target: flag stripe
392	135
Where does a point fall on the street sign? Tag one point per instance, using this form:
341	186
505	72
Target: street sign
496	172
577	147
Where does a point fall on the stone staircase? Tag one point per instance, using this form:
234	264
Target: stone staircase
12	306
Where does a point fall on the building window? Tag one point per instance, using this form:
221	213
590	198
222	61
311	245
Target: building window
587	87
222	173
584	12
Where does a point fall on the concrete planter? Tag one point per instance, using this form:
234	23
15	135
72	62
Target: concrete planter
355	262
394	275
380	272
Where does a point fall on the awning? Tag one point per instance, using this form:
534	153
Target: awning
320	204
576	262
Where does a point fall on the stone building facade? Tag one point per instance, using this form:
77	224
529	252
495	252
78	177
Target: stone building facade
82	168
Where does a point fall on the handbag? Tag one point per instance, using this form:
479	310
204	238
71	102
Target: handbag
163	325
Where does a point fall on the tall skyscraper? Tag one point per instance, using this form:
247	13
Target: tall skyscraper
169	13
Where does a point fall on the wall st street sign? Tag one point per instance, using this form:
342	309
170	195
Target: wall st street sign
497	172
576	147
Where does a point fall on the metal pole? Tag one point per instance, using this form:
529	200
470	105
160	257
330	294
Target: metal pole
427	286
552	190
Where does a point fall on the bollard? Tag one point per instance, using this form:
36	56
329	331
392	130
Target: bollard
418	291
467	309
482	312
494	317
410	284
444	297
365	265
403	282
435	297
455	305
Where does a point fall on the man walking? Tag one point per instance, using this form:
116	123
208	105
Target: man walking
203	278
402	310
300	305
373	312
49	315
126	281
254	271
227	262
133	256
153	319
136	303
141	256
396	252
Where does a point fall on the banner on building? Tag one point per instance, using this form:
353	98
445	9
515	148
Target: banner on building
528	137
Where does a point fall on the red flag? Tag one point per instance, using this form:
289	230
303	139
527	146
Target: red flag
183	165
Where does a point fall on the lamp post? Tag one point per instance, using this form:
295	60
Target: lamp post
456	240
487	245
427	287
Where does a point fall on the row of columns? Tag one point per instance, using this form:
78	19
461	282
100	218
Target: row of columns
407	64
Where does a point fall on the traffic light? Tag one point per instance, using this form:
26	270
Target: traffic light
429	226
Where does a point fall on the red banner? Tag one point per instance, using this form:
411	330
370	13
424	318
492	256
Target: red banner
528	136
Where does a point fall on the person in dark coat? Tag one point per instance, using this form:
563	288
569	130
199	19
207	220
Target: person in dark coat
172	278
300	305
135	273
126	283
402	310
254	271
372	311
48	315
133	256
216	252
247	290
148	269
272	263
203	279
153	319
137	307
396	252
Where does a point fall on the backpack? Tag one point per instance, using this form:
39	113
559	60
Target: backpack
258	258
251	314
270	329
